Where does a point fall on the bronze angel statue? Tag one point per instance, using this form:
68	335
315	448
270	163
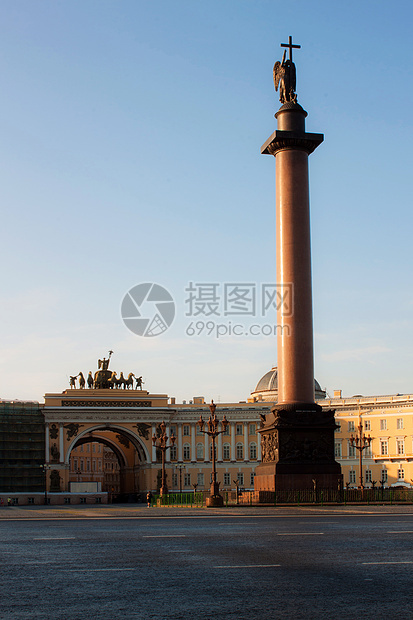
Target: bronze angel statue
284	77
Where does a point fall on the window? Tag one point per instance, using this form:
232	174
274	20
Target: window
399	423
384	447
81	448
173	430
67	500
226	452
210	451
100	465
186	451
199	451
240	478
351	426
227	479
173	453
384	475
186	430
239	429
200	479
227	430
30	500
383	425
253	451
351	451
187	480
88	447
93	447
198	431
352	476
99	448
367	452
239	451
367	425
337	450
368	475
338	426
252	476
75	464
174	480
81	464
82	500
253	429
93	465
400	446
400	474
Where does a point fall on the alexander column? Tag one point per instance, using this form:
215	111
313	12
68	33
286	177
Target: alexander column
297	438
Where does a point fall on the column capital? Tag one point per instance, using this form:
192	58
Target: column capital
292	140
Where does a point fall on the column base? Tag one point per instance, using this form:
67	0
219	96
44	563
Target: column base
215	501
298	449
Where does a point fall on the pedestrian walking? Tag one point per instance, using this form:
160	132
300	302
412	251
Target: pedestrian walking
149	498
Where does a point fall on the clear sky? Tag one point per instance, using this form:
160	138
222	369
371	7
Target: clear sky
130	137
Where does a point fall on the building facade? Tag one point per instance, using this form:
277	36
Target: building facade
106	436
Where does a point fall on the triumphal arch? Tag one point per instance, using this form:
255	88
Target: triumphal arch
111	410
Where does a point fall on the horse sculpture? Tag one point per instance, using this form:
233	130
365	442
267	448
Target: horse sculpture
139	382
128	383
72	381
82	381
121	381
90	379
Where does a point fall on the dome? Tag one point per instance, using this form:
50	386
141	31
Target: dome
267	387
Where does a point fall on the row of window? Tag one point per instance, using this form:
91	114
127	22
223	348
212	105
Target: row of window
226	452
367	425
80	464
81	448
368	475
367	452
239	430
200	479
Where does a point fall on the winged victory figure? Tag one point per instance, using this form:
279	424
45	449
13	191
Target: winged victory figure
285	78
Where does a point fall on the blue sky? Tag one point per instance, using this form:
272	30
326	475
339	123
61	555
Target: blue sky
130	137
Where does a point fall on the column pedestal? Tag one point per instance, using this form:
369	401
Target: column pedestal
297	446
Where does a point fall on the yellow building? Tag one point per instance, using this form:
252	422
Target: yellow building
106	435
388	421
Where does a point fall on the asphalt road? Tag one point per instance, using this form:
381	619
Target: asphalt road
229	563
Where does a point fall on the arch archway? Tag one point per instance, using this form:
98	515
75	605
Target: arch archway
117	466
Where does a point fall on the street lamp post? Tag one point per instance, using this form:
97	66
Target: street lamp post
180	467
215	499
360	442
162	441
44	469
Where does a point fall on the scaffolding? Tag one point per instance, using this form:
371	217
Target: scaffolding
22	447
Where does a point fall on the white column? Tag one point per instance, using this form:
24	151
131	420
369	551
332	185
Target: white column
232	425
219	455
61	443
206	444
193	451
246	451
180	459
153	460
